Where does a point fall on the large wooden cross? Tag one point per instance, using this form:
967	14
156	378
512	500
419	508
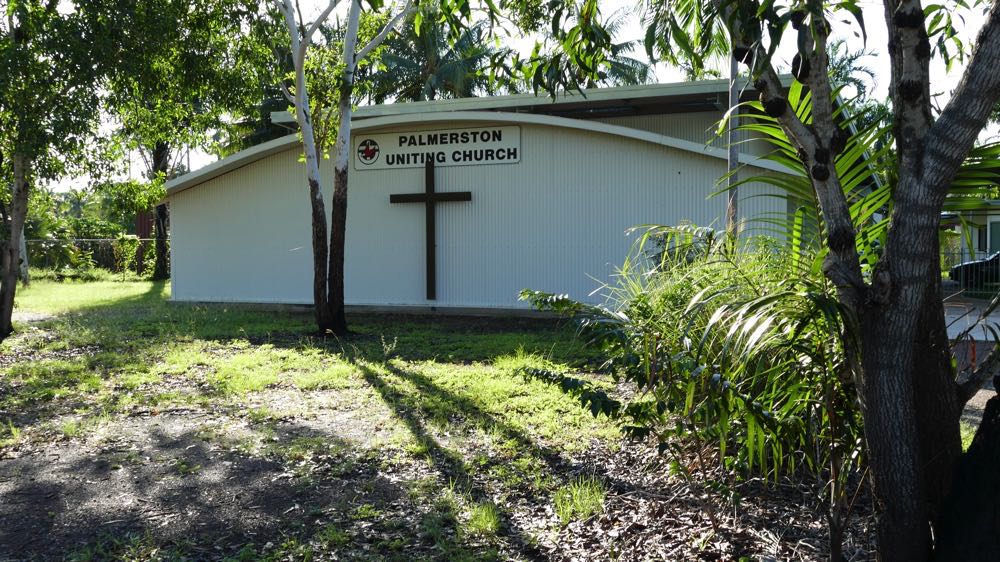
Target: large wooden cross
429	198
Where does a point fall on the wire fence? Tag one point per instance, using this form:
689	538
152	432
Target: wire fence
113	254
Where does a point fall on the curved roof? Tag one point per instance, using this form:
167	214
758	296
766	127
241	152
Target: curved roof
288	142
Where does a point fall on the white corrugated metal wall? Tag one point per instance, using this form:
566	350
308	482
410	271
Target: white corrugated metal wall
555	222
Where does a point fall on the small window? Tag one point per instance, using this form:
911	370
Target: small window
981	238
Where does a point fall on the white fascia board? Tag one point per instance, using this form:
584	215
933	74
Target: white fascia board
275	146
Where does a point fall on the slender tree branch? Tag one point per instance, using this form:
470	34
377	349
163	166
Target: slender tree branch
288	95
983	315
319	20
301	19
386	30
814	146
989	368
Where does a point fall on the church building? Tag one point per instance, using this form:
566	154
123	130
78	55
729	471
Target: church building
524	192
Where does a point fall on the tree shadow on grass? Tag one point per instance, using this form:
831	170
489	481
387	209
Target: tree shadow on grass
448	462
150	315
171	490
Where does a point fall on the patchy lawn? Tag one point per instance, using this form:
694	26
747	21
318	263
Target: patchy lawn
133	428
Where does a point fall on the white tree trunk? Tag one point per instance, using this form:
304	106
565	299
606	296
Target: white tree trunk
343	146
23	273
12	251
342	155
300	39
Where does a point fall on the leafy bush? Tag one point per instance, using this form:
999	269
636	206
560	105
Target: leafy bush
126	248
80	274
733	344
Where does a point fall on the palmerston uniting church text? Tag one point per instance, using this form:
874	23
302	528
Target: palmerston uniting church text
457	147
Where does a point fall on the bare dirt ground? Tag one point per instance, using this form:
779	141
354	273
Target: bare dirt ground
156	480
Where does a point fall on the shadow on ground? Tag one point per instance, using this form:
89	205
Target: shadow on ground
163	483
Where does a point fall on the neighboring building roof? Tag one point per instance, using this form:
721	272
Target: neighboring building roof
521	108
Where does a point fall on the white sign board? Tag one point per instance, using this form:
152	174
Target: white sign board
447	147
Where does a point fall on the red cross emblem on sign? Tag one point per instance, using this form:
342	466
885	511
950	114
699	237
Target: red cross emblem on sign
368	151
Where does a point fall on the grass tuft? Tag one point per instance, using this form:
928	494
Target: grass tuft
9	434
968	432
484	519
331	377
579	499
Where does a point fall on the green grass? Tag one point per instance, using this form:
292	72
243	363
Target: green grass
968	432
579	499
9	434
328	377
439	395
484	519
450	371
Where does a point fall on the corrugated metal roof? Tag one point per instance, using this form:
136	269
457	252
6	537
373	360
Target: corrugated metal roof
673	97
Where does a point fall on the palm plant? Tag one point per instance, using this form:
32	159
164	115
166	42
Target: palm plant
420	63
623	69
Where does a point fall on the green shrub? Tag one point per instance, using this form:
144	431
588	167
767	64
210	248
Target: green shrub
126	248
740	345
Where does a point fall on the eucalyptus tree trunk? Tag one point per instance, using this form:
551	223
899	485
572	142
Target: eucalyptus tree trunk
328	259
22	272
300	40
12	250
321	307
342	159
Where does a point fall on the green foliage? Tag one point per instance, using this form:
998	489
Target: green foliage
183	69
709	332
692	33
686	33
578	51
126	249
51	62
424	63
122	200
